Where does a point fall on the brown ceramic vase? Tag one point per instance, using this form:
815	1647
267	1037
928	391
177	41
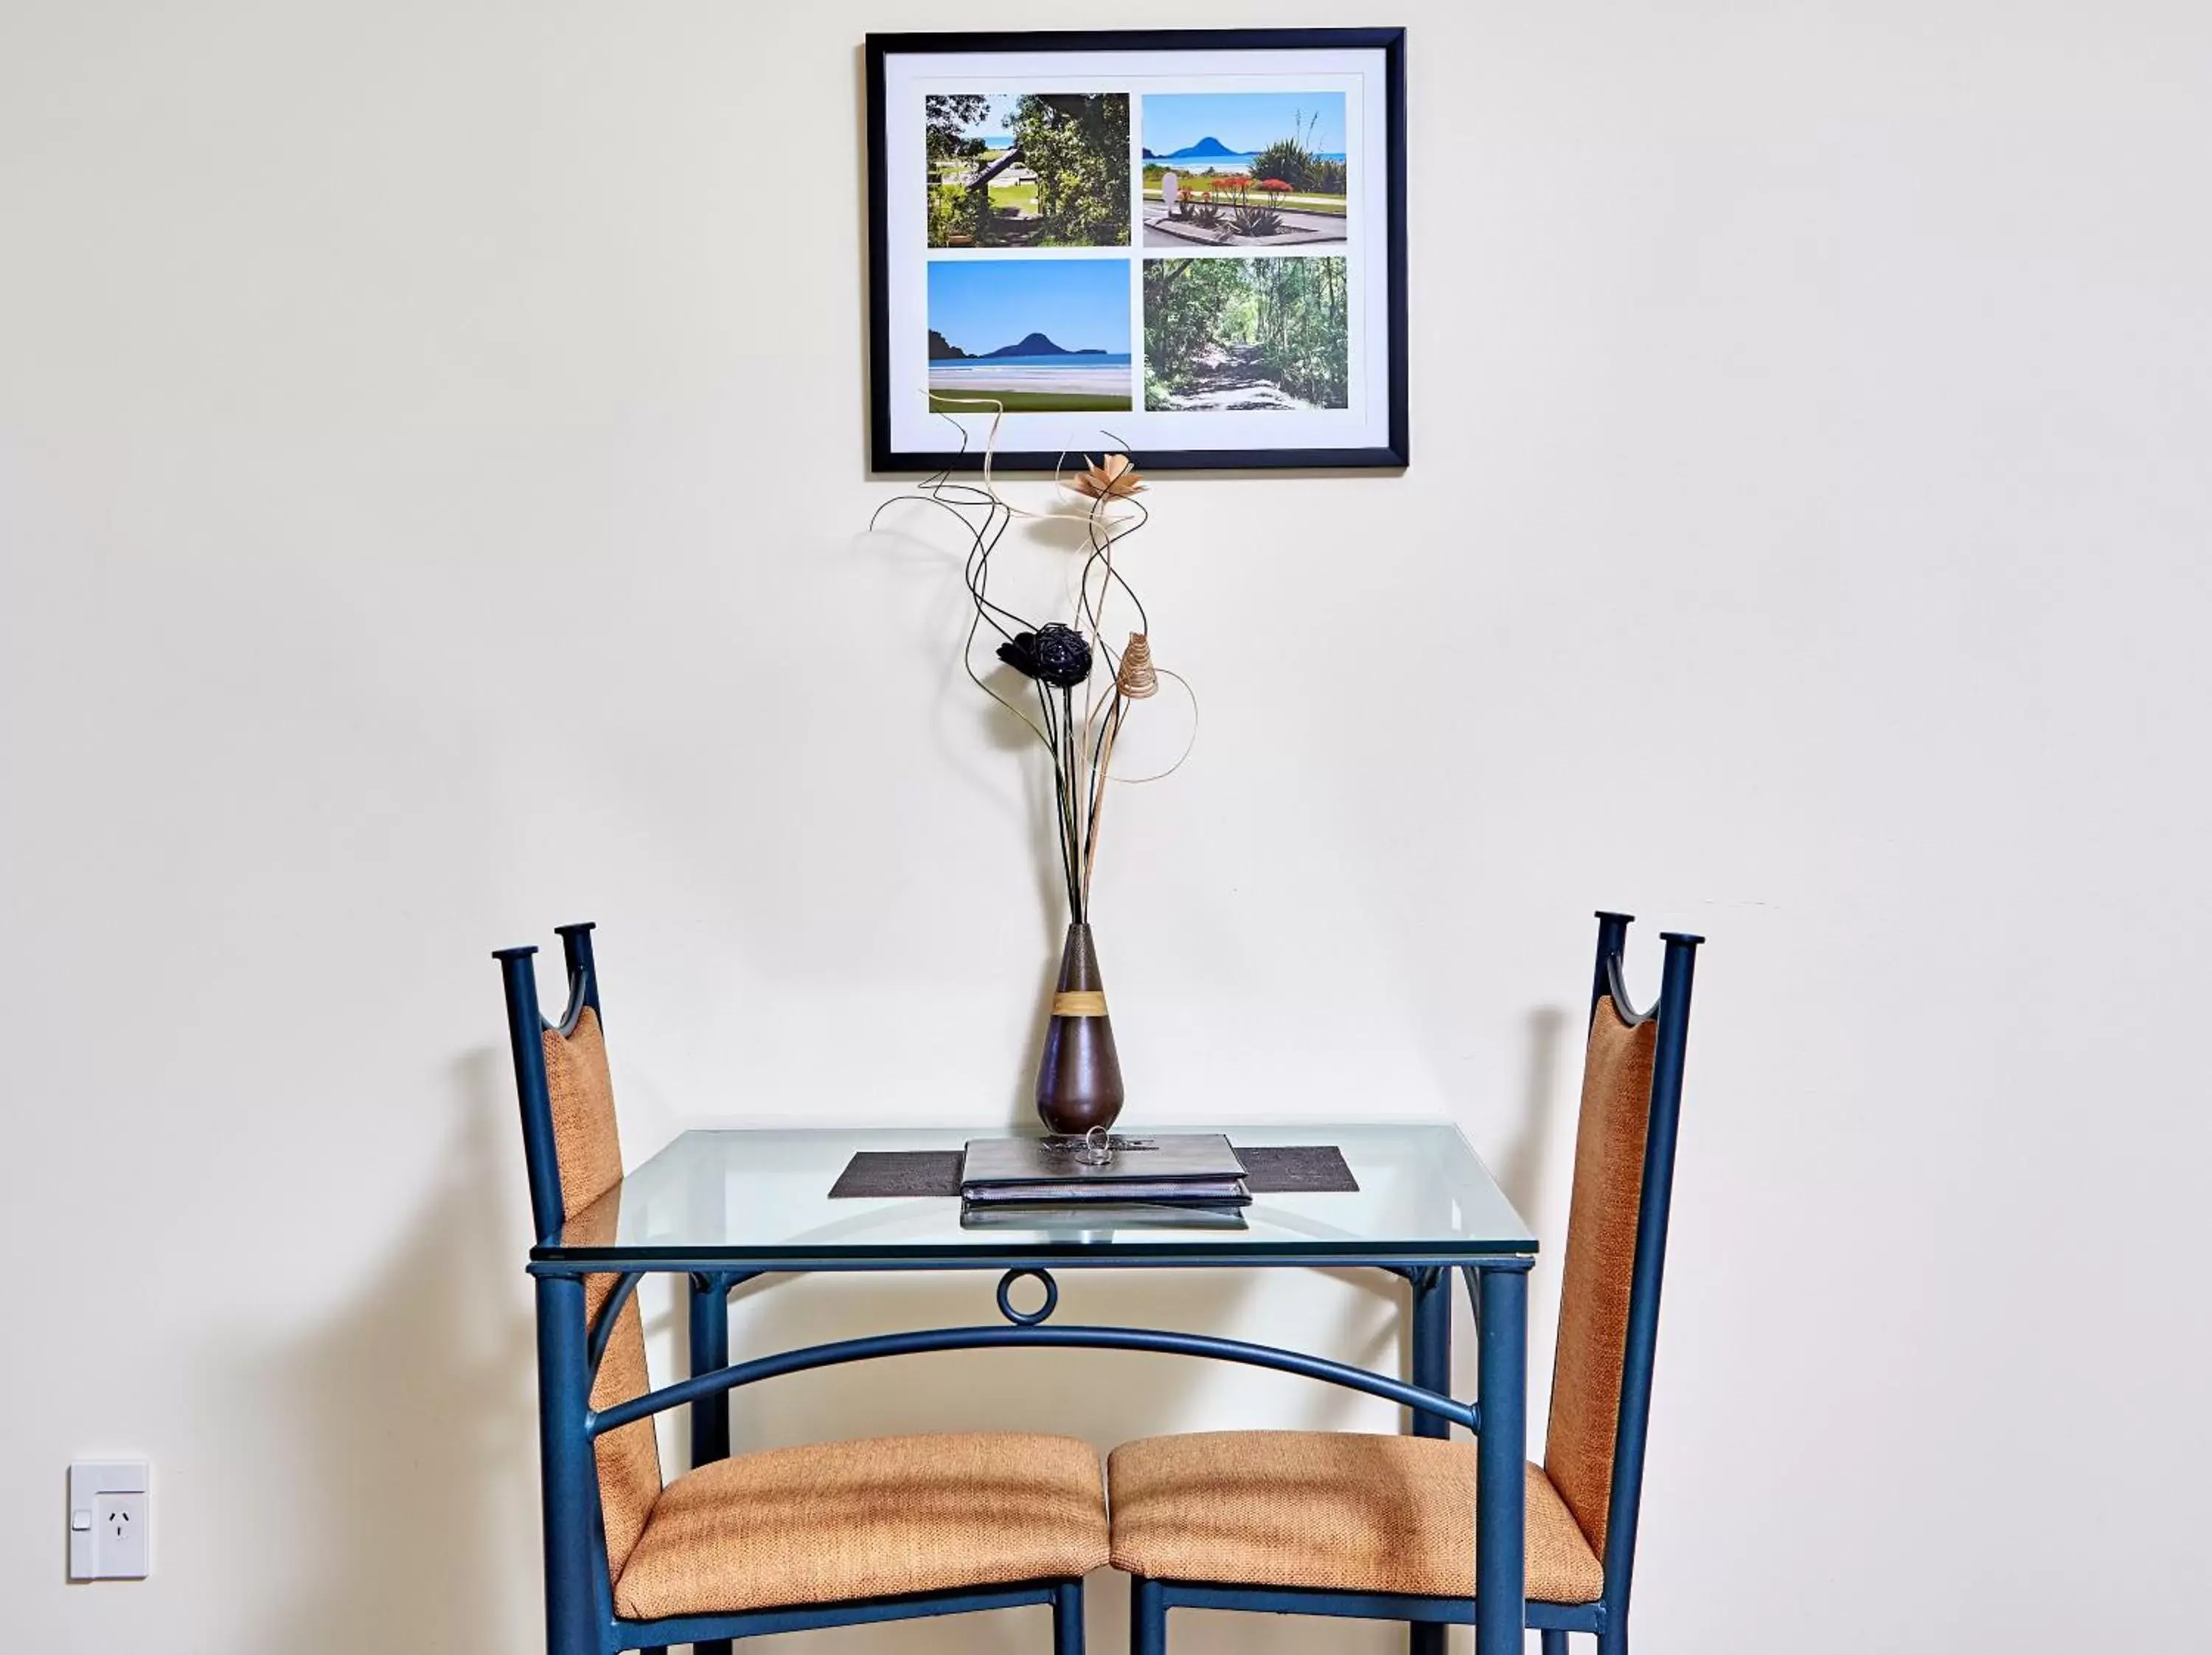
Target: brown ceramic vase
1080	1078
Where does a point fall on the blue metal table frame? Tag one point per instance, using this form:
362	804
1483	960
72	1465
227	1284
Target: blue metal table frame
1494	1266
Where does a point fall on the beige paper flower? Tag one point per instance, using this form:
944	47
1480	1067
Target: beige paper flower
1112	477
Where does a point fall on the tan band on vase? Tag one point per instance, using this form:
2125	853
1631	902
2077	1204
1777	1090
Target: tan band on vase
1078	1002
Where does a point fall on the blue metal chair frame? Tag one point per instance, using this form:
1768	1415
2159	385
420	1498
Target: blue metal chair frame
579	1613
580	1618
1501	1386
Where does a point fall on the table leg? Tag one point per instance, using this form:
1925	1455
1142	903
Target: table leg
710	1416
1501	1496
1431	1369
565	1466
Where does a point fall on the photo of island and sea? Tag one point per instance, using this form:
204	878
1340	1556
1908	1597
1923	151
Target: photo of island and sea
1243	169
1032	335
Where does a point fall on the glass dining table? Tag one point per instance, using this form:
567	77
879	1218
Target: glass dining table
722	1207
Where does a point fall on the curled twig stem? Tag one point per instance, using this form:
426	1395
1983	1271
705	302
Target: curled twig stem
1081	746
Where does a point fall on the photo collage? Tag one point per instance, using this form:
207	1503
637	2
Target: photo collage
1235	204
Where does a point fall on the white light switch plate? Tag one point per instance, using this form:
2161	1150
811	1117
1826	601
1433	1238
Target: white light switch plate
110	1520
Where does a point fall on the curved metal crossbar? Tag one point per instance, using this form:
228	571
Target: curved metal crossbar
610	1313
802	1360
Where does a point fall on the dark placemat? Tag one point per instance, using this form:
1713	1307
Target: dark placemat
1317	1169
899	1172
1300	1168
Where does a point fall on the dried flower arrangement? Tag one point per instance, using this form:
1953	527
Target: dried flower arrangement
1080	1078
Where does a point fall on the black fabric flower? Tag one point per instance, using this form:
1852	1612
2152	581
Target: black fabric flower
1056	654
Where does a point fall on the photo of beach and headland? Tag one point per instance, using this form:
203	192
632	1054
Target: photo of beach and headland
1029	335
1243	169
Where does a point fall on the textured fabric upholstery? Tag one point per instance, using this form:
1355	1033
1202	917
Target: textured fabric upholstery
589	1149
1328	1509
1609	1192
845	1520
585	1138
629	1459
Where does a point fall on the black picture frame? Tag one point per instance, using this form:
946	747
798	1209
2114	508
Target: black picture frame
885	458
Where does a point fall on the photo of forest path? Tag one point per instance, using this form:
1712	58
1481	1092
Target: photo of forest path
1241	334
1031	170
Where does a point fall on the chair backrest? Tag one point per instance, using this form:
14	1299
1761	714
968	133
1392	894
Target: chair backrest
1616	1248
574	1152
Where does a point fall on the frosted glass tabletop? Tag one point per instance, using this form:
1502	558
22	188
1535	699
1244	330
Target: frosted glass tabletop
760	1198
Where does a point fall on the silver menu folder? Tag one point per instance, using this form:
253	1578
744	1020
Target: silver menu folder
1191	1167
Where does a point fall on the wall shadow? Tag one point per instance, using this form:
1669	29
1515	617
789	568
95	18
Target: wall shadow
1523	1168
413	1410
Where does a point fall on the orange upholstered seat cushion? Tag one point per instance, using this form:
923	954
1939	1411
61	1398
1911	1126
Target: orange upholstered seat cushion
1334	1509
867	1518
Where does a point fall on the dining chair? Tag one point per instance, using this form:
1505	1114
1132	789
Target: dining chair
786	1539
1382	1527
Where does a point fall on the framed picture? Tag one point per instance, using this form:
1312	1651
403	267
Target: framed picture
1185	245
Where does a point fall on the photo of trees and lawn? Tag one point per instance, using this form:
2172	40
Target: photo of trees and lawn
1027	169
1243	169
1239	334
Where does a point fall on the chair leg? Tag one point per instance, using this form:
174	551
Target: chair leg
1555	1643
1068	1618
1148	1617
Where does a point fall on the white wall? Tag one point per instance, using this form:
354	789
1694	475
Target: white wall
430	455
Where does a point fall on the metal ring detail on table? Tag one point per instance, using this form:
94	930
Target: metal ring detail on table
1028	1319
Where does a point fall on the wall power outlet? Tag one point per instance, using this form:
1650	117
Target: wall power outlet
111	1520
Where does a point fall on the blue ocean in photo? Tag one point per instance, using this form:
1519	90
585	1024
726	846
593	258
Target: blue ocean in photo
987	365
1230	130
1218	164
